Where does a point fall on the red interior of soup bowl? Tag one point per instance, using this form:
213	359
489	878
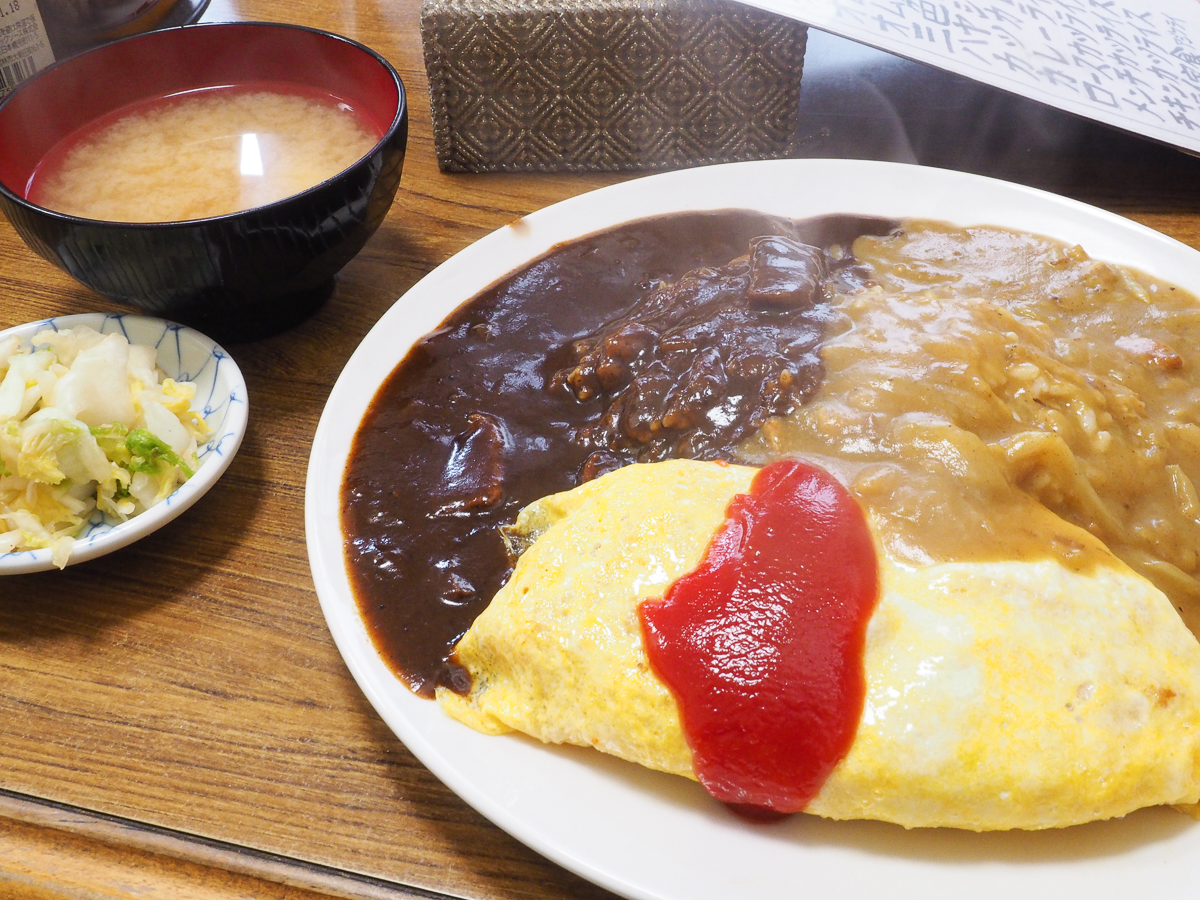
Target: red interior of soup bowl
68	96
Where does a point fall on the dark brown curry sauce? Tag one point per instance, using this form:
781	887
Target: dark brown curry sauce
673	336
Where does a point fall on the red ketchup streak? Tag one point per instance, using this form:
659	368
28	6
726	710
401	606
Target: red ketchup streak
762	644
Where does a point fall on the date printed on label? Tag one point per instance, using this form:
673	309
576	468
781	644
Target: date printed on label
24	47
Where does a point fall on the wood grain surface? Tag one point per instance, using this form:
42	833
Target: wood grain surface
190	681
189	684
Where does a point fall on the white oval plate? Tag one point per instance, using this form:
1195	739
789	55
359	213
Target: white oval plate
184	355
647	835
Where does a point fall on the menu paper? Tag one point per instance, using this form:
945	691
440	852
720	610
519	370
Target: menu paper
1134	64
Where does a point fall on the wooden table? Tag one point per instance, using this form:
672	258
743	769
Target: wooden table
175	719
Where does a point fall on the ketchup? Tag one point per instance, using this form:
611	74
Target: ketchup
762	644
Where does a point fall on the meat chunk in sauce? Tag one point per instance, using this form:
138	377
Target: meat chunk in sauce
701	362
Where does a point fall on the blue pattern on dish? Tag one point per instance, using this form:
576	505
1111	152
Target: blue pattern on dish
183	355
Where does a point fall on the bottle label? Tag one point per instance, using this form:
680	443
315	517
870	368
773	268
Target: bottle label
24	47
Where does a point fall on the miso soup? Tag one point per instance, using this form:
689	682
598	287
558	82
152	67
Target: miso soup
202	153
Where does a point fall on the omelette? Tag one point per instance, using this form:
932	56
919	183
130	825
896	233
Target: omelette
1008	693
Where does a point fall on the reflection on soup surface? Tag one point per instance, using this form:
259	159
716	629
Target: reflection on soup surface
200	154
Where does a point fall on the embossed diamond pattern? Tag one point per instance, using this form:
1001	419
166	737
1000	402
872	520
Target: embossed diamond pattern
526	85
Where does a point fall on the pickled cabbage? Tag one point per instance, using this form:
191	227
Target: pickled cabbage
87	426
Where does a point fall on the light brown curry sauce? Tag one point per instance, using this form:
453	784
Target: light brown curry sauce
987	382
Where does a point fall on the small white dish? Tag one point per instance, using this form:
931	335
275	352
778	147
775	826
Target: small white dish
184	355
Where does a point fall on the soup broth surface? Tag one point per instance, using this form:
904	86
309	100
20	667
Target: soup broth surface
200	154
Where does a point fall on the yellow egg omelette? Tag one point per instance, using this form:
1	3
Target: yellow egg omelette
1000	694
